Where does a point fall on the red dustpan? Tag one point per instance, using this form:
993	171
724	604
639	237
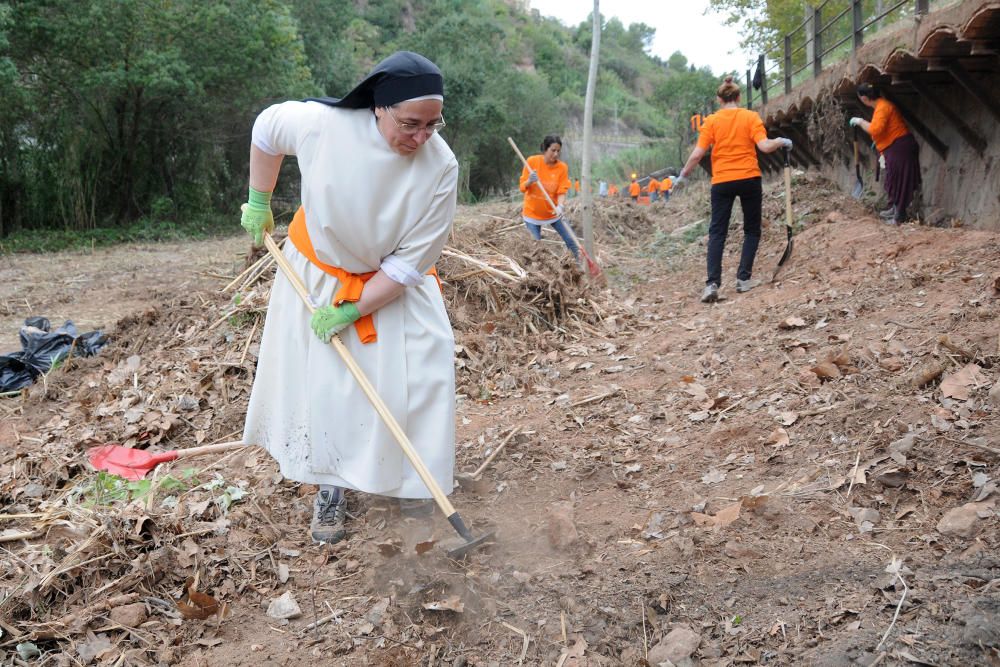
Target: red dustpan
133	464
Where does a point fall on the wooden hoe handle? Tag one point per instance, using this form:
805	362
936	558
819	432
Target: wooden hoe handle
366	386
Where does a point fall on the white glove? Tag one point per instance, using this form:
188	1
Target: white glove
559	210
881	161
855	122
680	180
785	142
532	177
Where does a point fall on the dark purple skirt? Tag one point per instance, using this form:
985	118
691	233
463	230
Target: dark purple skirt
902	171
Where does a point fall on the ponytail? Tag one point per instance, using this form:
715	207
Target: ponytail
729	91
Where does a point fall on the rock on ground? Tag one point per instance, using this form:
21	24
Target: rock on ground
679	644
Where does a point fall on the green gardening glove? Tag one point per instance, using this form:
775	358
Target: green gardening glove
330	320
257	217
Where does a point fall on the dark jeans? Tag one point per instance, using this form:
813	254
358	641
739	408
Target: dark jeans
723	195
560	227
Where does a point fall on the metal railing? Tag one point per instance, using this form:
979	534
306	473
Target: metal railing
829	33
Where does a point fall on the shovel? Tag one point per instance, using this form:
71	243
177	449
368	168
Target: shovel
788	215
592	266
859	186
469	542
134	464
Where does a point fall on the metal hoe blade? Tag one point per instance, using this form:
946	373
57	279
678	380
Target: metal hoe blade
465	547
469	542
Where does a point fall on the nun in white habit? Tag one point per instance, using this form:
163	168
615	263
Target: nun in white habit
379	188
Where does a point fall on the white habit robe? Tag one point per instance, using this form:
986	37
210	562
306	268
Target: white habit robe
366	208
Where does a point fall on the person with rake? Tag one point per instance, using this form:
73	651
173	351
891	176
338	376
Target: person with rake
379	193
733	134
549	172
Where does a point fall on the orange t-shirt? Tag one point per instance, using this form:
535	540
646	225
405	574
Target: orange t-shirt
666	184
555	180
887	124
612	190
653	185
576	185
634	189
696	121
733	135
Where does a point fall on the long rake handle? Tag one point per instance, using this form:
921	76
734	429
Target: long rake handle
367	388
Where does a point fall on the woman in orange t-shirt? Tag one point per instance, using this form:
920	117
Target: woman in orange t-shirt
733	134
894	141
665	185
547	171
653	189
634	189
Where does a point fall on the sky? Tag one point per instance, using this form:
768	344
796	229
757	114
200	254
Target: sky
680	26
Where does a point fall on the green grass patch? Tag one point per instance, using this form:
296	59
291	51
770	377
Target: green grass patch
142	231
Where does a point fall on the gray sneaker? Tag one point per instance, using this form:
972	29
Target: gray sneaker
888	214
329	513
746	285
711	293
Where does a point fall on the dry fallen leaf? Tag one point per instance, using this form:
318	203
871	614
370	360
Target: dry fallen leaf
753	503
721	519
93	647
424	547
198	605
788	418
792	323
713	477
842	359
450	603
778	438
390	547
572	656
956	385
891	364
826	370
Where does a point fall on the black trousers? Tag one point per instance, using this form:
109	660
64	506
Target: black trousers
723	195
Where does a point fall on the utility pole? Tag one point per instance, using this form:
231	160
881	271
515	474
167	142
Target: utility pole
588	122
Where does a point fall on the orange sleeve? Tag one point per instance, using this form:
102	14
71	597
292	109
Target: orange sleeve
887	125
523	184
757	130
880	120
706	137
564	182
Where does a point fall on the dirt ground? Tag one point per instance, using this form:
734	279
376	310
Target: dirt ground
801	474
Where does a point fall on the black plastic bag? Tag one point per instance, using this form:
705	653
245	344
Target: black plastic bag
41	349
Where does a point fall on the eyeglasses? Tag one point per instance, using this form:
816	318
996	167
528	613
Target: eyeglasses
413	128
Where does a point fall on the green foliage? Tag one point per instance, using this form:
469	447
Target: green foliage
107	489
128	119
146	230
133	101
764	23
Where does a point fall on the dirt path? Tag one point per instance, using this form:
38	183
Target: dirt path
96	289
760	481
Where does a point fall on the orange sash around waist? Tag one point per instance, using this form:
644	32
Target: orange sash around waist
351	284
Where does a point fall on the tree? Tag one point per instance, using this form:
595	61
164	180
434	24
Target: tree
153	112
